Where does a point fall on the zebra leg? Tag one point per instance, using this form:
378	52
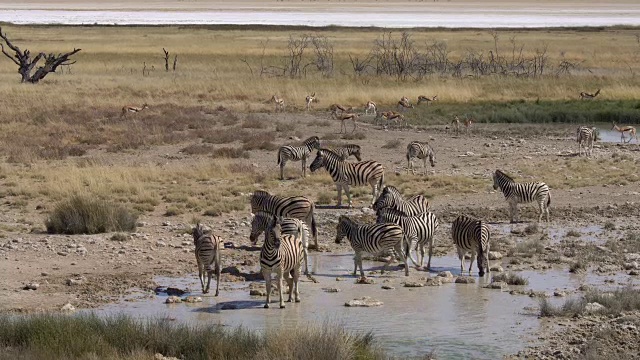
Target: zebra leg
279	283
304	167
346	190
513	210
209	275
406	264
430	252
339	188
266	274
201	276
289	280
461	257
282	169
541	208
473	256
296	281
218	271
358	262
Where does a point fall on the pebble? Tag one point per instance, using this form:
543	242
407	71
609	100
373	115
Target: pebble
387	287
31	286
68	307
437	280
446	274
331	290
593	307
73	282
495	255
173	300
412	284
559	293
365	280
364	301
499	285
193	299
496	268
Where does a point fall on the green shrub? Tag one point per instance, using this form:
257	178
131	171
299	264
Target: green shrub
85	215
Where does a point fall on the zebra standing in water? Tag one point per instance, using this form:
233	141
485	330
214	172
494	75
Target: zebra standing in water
297	153
420	150
208	247
346	174
262	220
372	239
517	193
345	151
390	197
281	253
297	207
472	235
418	231
588	137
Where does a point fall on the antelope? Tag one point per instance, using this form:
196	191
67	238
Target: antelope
428	100
393	116
587	96
468	122
279	103
630	129
334	110
455	123
370	106
309	99
133	109
348	116
404	104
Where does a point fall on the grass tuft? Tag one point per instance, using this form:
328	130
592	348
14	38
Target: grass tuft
510	278
392	144
85	215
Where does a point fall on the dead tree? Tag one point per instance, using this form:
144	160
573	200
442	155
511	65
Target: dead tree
166	60
175	62
26	64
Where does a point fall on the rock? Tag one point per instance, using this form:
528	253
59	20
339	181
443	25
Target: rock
446	274
365	280
171	291
585	287
387	287
368	211
173	300
494	255
339	279
632	257
331	290
593	307
31	286
437	280
63	253
633	265
166	223
81	250
465	280
365	301
73	282
258	292
192	299
413	284
496	268
161	244
233	270
44	273
559	293
634	273
499	285
68	307
607	268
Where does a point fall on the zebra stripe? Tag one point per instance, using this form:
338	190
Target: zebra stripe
345	174
585	136
472	235
281	253
420	150
418	230
208	247
390	197
297	153
297	207
345	151
520	193
262	220
373	239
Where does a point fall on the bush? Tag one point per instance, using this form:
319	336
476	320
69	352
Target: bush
510	278
84	215
578	267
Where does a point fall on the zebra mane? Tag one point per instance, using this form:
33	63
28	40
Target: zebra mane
328	152
311	140
502	174
391	189
260	193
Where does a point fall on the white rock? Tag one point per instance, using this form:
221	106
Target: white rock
593	307
68	307
494	255
173	300
365	301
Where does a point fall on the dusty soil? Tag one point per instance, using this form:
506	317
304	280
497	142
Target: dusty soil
107	270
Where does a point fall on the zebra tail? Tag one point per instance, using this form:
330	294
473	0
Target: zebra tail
549	199
279	156
314	227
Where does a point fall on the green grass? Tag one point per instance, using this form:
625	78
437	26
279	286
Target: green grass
46	336
85	215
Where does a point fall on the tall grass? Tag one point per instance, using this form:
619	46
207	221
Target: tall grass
121	337
84	215
615	302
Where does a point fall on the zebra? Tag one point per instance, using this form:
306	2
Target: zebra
261	222
587	136
517	193
420	150
372	239
346	174
390	197
472	235
344	151
208	247
418	230
297	207
281	253
297	153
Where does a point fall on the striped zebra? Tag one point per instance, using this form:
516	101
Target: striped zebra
344	151
520	193
418	231
586	136
373	239
472	235
420	150
281	253
297	207
297	153
208	247
346	174
262	220
390	197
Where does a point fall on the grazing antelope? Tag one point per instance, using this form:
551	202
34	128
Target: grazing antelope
395	117
279	103
348	116
334	110
468	122
404	104
309	99
428	100
587	96
455	123
630	129
371	106
133	109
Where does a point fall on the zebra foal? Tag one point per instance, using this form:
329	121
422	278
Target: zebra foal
586	136
297	207
372	239
297	153
281	253
418	231
420	150
345	151
208	247
522	193
390	197
472	235
262	220
345	174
